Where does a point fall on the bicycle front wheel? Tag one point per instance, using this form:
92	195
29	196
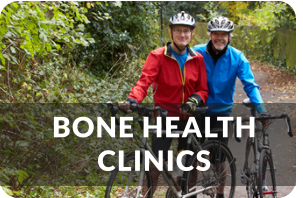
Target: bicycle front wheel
267	181
125	183
220	178
249	170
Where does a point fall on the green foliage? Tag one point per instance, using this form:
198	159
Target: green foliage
198	9
85	52
47	70
287	18
30	28
268	16
64	191
120	29
39	65
33	36
7	190
214	10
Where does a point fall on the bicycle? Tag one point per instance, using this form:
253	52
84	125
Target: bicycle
207	183
258	172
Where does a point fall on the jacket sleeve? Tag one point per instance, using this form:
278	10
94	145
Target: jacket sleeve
246	76
201	85
149	74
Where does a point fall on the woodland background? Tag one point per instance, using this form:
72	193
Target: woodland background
93	52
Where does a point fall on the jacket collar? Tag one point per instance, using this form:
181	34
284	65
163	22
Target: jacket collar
190	52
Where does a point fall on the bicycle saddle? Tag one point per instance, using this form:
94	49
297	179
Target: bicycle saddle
247	103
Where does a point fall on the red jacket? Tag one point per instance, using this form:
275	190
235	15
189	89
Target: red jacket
170	87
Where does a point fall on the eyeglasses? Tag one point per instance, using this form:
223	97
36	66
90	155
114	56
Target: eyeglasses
178	31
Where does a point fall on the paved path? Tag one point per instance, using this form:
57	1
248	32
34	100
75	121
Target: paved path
268	96
283	147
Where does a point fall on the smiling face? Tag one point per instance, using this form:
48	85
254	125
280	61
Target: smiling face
219	39
181	35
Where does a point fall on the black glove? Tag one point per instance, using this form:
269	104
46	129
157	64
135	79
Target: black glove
126	108
190	105
130	101
266	122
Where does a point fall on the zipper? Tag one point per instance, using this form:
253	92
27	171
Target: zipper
156	89
182	78
183	81
218	72
213	71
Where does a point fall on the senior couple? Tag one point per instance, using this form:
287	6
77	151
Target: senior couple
185	77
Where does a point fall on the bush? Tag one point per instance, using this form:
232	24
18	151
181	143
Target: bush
120	29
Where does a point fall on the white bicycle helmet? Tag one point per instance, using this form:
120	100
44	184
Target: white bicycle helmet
220	23
182	19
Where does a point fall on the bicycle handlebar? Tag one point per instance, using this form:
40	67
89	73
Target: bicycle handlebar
162	112
147	111
283	115
199	110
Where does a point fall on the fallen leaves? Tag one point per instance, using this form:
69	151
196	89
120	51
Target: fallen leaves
277	80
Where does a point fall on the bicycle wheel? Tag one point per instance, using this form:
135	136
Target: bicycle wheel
267	181
118	181
249	171
220	177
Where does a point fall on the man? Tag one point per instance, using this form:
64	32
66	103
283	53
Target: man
179	81
224	64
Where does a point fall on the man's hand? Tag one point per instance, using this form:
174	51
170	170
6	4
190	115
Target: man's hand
189	106
265	123
126	104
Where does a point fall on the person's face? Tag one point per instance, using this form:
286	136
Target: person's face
219	40
181	35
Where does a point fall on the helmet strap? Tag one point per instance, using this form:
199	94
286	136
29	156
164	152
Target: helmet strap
179	48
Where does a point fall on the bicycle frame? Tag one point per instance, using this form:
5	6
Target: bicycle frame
191	140
166	175
249	142
255	142
258	147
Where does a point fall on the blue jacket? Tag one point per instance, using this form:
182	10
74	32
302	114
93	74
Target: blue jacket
221	80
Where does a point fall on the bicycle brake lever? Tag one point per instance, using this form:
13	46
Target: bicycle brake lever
114	110
288	126
110	104
161	112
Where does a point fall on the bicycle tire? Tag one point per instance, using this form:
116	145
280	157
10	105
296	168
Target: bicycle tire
266	180
118	180
249	170
210	177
